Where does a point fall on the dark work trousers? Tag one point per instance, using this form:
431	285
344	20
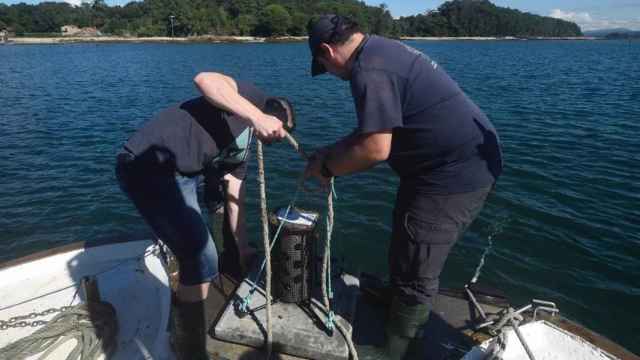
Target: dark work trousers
425	228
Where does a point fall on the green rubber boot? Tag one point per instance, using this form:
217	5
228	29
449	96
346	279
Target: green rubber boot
404	330
190	330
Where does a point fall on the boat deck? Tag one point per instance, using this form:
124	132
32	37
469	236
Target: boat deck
450	331
450	328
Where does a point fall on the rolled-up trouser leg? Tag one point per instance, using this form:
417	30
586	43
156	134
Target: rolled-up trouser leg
169	204
425	228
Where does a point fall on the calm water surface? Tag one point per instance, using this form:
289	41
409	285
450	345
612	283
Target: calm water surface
564	220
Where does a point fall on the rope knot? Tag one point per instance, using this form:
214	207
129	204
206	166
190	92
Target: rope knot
330	321
243	304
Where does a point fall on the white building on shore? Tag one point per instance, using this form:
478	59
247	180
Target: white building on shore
72	30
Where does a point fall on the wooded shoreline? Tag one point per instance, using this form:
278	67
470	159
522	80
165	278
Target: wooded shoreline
244	39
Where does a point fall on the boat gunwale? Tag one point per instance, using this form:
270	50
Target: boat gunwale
78	245
153	338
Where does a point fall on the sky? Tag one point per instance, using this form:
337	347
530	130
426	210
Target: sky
589	14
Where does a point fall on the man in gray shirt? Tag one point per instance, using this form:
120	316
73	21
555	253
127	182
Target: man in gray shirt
161	165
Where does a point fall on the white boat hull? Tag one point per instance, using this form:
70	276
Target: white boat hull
131	276
546	341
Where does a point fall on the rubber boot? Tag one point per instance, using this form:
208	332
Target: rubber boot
404	330
190	330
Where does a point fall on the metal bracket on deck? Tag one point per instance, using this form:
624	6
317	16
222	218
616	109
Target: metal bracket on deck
513	318
496	323
541	305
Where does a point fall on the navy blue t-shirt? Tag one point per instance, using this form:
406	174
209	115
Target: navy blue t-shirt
199	137
442	142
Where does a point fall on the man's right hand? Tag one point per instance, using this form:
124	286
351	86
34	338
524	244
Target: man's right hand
314	165
269	128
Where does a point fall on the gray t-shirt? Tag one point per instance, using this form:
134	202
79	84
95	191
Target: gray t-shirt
442	142
198	137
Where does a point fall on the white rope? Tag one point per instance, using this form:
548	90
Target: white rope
482	259
495	230
326	274
326	259
296	146
326	264
265	238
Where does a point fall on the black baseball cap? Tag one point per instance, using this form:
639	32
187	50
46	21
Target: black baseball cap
322	29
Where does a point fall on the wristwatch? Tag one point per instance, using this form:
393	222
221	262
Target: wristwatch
325	171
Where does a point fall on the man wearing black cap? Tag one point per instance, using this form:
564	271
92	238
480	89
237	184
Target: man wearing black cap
445	150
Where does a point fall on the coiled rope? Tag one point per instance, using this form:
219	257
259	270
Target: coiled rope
94	326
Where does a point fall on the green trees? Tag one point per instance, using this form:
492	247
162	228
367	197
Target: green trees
299	22
275	21
276	18
381	21
4	9
482	18
245	24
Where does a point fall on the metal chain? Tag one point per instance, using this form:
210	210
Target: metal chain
19	321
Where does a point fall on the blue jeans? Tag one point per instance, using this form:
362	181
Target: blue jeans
168	202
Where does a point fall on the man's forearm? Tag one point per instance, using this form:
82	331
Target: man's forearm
222	92
356	153
347	158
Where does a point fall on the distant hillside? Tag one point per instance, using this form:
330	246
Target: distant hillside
605	32
273	18
482	18
623	35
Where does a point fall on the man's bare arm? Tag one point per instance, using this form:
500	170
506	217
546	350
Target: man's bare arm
359	152
222	91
